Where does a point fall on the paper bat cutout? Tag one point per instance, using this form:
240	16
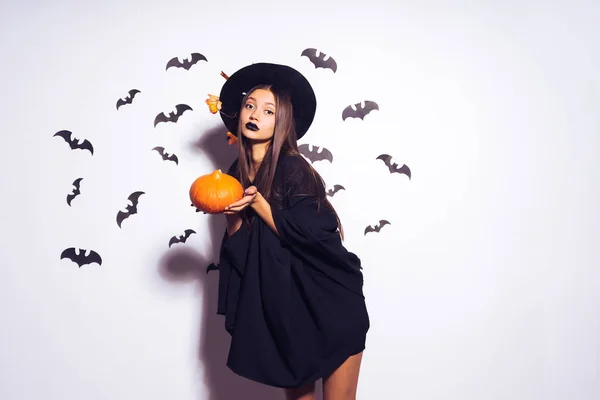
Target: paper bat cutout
183	238
173	116
131	209
376	228
336	188
319	62
80	258
74	142
360	111
128	99
314	154
186	64
197	209
394	167
76	192
211	267
166	156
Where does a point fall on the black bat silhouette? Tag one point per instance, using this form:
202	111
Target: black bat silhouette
173	116
74	142
319	62
76	191
314	154
128	99
360	111
131	209
212	266
335	189
187	64
80	258
394	167
197	209
376	228
166	156
183	238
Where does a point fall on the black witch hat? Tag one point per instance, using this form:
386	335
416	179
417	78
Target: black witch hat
229	102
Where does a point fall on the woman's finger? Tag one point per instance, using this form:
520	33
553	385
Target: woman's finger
238	203
243	201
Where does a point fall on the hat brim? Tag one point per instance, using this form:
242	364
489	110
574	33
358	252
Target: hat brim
303	98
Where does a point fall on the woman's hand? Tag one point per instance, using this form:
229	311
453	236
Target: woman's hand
250	196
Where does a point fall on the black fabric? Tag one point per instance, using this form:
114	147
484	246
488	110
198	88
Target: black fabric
293	304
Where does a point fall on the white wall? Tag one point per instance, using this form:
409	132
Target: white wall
484	286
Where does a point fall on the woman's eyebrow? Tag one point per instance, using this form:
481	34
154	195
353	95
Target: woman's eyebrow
268	102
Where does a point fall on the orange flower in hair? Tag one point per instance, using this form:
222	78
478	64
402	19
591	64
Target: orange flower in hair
231	138
214	104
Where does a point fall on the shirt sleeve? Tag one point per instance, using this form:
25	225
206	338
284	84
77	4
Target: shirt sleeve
232	261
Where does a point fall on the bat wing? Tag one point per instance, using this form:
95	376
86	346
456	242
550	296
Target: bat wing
66	135
370	106
173	62
69	254
383	222
369	229
404	170
76	191
386	158
86	145
310	53
121	216
77	182
174	158
212	266
337	188
188	232
348	113
313	155
160	150
129	99
331	64
181	108
173	240
197	57
303	149
326	155
121	102
134	197
94	258
160	118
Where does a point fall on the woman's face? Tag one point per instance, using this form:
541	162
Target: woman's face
257	116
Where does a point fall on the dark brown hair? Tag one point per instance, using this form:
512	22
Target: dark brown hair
283	143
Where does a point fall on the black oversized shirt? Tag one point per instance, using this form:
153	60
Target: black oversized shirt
293	303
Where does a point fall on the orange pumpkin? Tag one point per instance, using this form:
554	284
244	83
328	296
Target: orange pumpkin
213	192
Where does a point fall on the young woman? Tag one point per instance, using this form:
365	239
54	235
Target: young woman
290	292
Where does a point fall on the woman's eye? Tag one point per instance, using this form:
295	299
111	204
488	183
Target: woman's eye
270	112
248	105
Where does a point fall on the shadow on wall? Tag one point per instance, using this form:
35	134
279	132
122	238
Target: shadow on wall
185	264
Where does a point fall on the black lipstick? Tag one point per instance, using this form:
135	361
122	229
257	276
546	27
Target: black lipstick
251	126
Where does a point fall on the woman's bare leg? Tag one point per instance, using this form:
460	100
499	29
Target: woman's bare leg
306	392
343	382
